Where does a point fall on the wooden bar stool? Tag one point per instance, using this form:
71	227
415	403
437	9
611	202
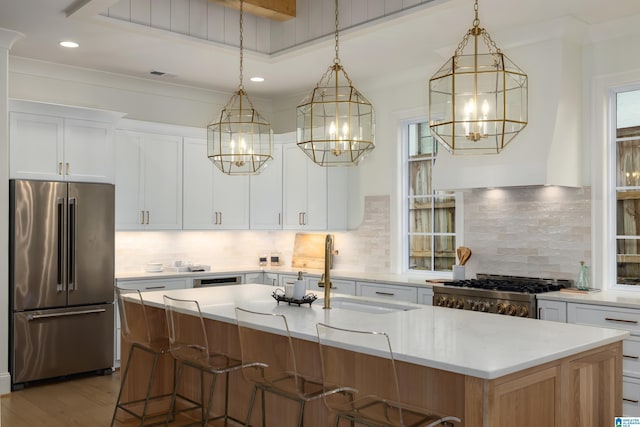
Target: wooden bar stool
377	402
190	346
269	366
132	310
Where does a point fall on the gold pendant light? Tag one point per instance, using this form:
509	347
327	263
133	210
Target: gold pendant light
335	121
478	102
240	141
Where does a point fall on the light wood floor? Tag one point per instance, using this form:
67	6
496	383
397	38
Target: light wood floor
86	402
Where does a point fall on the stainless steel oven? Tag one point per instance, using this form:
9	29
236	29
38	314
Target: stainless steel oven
507	295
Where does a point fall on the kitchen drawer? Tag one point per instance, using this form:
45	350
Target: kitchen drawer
399	293
337	285
631	356
604	316
155	284
288	278
630	397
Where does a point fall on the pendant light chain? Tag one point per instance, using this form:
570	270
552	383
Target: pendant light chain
241	43
336	60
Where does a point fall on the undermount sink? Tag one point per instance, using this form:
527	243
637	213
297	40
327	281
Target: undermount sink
371	307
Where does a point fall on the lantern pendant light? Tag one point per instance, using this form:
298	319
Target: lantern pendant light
240	141
477	102
335	122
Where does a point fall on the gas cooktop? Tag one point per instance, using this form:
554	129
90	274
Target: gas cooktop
529	285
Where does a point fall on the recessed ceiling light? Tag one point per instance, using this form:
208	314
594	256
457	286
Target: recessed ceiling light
68	43
257	79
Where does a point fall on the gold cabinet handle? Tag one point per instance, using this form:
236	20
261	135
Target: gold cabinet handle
68	168
59	168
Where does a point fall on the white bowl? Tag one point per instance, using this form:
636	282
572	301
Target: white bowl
153	267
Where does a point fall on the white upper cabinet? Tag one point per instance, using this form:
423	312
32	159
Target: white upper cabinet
266	195
148	181
212	199
304	191
58	143
314	197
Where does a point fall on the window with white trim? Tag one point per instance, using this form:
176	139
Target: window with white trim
627	186
430	237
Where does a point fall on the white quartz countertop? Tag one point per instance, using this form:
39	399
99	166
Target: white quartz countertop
626	299
389	278
477	344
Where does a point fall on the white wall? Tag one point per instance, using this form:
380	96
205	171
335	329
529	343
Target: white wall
7	38
140	99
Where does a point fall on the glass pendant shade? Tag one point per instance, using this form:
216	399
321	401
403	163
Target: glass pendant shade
335	122
478	102
240	142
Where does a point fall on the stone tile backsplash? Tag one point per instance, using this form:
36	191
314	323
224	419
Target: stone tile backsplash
533	231
364	249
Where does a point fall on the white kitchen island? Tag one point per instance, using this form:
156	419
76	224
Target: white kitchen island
489	370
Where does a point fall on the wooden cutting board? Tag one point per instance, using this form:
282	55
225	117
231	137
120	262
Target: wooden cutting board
308	251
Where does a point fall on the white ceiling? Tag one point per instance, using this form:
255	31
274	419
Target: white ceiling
419	39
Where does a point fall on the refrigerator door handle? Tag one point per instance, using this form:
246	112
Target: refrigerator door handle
72	243
60	244
67	313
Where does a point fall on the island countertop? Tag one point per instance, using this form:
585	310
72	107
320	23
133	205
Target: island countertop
476	344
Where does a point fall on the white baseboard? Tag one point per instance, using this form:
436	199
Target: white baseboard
5	383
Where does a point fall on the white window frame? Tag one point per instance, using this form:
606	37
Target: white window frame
611	182
459	215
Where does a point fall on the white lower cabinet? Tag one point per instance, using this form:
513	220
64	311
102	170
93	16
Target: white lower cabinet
254	278
630	397
340	286
381	290
271	279
555	311
627	319
425	296
143	286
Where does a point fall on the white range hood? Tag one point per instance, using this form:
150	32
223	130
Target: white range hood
549	150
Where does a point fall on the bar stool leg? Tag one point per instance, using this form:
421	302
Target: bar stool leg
122	381
156	356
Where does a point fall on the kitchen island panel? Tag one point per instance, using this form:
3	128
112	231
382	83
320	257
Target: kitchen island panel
582	388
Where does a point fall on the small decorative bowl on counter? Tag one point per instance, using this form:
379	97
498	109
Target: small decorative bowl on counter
279	296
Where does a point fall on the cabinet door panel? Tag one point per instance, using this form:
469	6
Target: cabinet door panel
231	200
88	151
198	212
294	186
129	207
316	214
35	146
266	195
162	182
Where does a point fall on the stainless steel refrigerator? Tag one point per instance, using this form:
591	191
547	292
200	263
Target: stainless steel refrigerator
61	279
